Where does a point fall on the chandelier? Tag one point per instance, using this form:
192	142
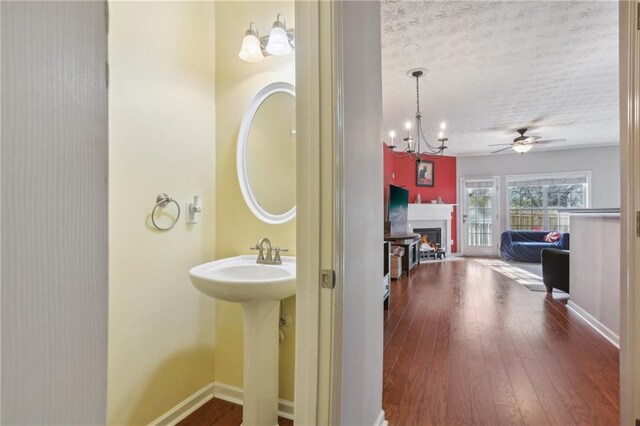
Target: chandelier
416	141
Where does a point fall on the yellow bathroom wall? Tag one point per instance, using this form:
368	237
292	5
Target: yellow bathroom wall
237	229
161	139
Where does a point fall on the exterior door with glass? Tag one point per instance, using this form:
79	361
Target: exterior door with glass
480	231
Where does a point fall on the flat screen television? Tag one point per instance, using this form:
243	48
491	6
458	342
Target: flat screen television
398	209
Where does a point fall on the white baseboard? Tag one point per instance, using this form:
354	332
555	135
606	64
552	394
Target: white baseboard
236	395
222	391
595	324
186	407
380	421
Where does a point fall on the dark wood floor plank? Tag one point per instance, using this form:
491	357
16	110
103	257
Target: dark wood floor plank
532	412
540	379
597	379
426	346
500	385
220	413
435	396
400	298
556	411
399	373
411	406
483	410
490	351
559	304
508	415
404	330
410	411
458	394
213	411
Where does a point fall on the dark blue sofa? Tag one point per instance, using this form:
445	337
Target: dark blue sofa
526	246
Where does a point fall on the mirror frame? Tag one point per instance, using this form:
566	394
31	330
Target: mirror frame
241	154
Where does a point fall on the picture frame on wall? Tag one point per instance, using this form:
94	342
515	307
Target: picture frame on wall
424	173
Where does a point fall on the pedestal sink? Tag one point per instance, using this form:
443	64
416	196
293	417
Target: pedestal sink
259	288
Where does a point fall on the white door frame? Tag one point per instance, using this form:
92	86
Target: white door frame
465	249
319	208
630	204
307	211
316	343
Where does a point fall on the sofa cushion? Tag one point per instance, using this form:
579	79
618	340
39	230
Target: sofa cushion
552	237
540	245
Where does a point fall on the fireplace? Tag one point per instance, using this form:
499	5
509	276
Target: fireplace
431	236
433	216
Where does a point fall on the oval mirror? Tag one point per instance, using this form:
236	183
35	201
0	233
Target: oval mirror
266	156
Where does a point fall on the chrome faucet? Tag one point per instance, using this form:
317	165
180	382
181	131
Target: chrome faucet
270	259
260	246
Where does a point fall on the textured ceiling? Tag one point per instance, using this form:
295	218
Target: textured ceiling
495	66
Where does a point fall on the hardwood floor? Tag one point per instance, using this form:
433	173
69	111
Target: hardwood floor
220	413
464	344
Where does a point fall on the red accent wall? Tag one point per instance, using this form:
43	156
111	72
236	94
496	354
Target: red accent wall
402	172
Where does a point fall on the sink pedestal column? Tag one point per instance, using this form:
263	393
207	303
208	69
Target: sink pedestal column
261	349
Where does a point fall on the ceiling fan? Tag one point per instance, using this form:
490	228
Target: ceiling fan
524	143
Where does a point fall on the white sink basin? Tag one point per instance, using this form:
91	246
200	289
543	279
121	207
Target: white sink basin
259	288
240	279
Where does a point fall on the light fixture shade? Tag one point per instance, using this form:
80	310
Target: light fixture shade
410	144
251	50
522	148
278	44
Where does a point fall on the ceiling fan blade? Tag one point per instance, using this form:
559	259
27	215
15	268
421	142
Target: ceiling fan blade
500	150
500	144
551	141
530	125
539	118
501	130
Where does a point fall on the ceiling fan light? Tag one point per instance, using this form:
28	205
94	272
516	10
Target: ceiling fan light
522	148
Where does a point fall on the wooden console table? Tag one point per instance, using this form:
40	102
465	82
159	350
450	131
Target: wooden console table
387	274
411	247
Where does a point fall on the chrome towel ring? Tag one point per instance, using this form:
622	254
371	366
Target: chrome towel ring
162	200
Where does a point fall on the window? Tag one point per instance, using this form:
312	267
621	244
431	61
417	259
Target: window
480	213
536	202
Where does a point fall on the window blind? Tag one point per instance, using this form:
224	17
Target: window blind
569	180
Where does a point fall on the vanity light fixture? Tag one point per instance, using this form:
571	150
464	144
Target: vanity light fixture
279	42
251	50
417	140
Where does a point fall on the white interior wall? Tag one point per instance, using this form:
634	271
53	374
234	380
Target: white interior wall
362	344
54	213
595	292
602	162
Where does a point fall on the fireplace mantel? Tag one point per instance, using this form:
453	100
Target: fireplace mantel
433	216
430	211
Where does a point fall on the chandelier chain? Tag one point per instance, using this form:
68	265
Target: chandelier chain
418	95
